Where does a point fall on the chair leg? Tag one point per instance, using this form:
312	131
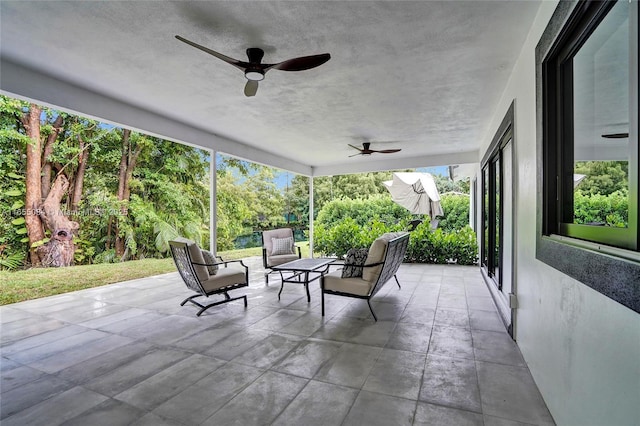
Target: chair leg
398	282
227	300
189	299
322	297
372	313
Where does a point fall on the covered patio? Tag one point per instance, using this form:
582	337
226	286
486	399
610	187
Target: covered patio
446	83
127	353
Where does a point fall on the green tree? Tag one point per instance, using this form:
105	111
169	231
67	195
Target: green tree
297	199
233	210
603	177
266	200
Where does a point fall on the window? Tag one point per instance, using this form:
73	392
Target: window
589	154
588	77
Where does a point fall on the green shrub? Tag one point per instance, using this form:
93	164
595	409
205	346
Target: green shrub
337	239
437	246
362	211
425	245
346	224
612	209
456	211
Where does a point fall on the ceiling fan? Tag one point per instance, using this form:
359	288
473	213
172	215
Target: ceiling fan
254	70
366	150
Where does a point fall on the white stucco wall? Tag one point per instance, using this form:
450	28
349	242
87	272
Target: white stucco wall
582	348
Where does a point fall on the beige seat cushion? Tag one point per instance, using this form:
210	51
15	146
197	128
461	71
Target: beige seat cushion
224	277
335	282
280	259
376	254
196	257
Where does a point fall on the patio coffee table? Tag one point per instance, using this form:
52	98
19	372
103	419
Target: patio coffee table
300	269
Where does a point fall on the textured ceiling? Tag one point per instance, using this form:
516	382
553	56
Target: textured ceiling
422	76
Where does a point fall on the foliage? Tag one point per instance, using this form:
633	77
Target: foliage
603	177
363	211
345	224
13	141
233	209
11	261
610	210
337	239
266	199
456	211
444	185
169	188
437	246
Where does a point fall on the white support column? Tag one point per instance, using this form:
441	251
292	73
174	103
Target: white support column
213	205
311	216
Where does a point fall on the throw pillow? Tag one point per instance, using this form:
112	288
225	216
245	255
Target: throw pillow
209	259
354	257
281	246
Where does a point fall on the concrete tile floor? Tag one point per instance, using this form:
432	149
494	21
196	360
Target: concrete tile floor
128	354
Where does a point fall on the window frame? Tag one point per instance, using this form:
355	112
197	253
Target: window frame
612	269
559	158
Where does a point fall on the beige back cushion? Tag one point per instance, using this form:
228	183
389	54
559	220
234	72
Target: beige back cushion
196	257
275	233
376	254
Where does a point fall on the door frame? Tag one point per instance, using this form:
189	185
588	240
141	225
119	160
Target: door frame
505	303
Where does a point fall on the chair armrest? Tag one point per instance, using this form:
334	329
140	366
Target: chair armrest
359	266
225	263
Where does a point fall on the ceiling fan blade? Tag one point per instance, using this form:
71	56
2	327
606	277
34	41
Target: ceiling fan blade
355	155
250	88
300	64
388	151
238	64
355	147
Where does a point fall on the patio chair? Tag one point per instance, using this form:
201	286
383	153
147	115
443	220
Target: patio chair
278	247
207	274
363	279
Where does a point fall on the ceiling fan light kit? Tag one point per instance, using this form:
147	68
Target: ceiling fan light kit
255	70
256	75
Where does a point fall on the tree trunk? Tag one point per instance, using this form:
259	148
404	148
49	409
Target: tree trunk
79	178
128	162
122	183
48	150
60	249
33	195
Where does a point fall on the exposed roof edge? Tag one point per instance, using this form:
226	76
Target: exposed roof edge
398	163
23	82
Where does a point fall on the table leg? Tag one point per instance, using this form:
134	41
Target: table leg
306	286
281	288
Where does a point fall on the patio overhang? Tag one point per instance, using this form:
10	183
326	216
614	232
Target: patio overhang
91	58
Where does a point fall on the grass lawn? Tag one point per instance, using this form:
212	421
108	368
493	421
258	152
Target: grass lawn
41	282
